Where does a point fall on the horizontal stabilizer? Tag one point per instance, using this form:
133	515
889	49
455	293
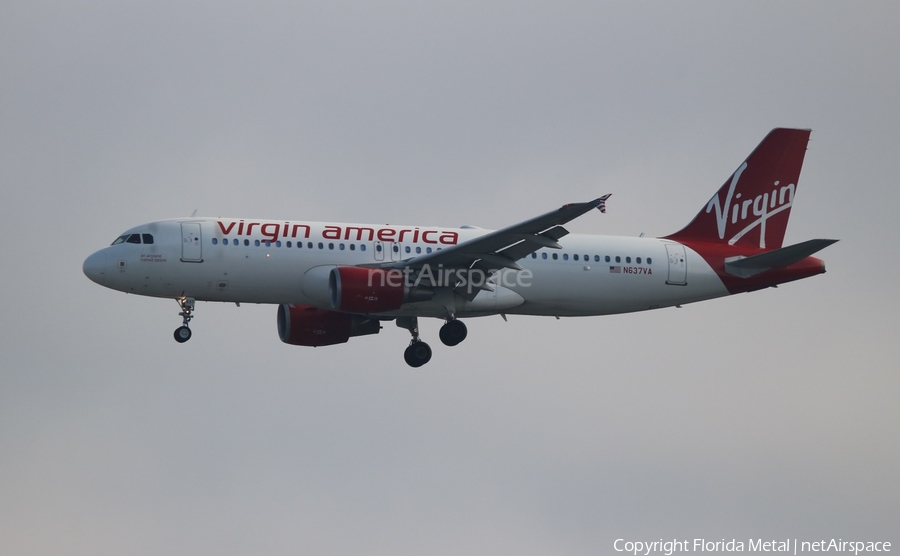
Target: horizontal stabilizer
746	267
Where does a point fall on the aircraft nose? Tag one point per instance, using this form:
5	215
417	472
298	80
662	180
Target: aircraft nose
95	267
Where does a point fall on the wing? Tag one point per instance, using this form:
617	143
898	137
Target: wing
502	248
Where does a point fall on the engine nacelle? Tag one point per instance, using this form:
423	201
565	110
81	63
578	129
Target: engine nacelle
303	325
357	289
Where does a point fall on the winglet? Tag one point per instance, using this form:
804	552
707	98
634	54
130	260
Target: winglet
601	202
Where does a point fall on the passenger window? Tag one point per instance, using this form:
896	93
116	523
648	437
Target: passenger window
133	238
353	247
256	243
596	258
534	255
408	249
575	256
627	259
331	246
289	244
606	258
362	247
649	260
246	242
555	256
428	249
565	256
378	247
418	250
148	239
215	241
618	259
341	246
278	244
309	245
321	246
268	243
225	241
638	260
543	255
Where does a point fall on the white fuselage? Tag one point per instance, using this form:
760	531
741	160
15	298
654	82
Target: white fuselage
278	262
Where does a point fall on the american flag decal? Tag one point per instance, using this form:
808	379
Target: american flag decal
615	269
601	205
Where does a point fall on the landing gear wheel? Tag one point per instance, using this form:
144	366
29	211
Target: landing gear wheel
417	354
182	334
453	332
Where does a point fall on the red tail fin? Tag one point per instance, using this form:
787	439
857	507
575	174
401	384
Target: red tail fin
753	207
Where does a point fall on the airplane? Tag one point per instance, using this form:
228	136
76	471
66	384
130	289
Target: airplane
333	281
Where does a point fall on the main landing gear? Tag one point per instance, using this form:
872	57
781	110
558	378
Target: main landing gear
183	333
453	332
418	353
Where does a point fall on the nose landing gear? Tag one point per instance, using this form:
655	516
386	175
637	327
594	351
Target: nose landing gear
183	332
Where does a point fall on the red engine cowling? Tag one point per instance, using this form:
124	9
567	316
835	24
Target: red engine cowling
357	289
303	325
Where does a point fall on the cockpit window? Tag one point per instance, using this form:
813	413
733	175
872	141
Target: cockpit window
134	238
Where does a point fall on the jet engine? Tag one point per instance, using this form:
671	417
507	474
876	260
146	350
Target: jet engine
356	289
303	325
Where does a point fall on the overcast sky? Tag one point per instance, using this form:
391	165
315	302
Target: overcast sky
772	414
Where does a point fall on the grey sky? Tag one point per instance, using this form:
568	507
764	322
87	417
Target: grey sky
766	415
